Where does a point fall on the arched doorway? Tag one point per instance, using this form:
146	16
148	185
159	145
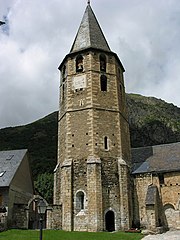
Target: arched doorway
32	213
110	221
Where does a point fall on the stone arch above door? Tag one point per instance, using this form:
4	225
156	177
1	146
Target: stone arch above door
32	212
36	198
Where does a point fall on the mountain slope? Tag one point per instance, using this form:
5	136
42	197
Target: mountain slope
152	121
39	137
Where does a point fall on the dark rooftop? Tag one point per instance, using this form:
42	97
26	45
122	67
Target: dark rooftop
160	158
9	163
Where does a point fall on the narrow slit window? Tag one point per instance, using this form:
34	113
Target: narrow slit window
64	73
80	201
119	73
106	147
120	90
103	83
102	63
161	178
63	90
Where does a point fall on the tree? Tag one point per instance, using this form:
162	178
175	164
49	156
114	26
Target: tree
44	185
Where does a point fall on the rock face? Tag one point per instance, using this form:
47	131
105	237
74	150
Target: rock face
152	121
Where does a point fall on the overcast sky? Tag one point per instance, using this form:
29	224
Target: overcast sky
39	33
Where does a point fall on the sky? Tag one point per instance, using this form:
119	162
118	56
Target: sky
39	33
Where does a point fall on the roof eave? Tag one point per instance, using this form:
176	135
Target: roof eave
156	172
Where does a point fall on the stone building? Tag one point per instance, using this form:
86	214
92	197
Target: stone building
97	185
16	188
93	171
156	173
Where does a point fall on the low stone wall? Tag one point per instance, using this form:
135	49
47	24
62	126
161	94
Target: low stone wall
54	217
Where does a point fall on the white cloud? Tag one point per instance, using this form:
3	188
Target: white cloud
145	35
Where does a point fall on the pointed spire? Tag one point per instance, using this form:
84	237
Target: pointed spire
89	34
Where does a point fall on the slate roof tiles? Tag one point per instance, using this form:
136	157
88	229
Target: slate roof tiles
89	34
9	163
160	158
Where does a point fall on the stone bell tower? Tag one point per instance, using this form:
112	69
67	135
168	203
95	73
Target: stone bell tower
92	174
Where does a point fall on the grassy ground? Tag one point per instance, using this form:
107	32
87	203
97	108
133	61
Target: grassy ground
61	235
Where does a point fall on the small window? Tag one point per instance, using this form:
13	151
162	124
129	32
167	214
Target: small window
106	143
103	83
64	72
102	59
79	64
120	87
80	201
81	103
161	178
120	92
2	173
119	73
9	157
62	92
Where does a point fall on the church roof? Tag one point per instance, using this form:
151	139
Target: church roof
9	164
89	34
160	158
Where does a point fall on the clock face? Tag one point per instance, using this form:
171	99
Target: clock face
79	82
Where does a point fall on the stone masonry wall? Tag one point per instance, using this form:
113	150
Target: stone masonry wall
141	183
95	201
54	217
169	204
89	120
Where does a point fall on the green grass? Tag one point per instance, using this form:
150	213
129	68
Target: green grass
61	235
